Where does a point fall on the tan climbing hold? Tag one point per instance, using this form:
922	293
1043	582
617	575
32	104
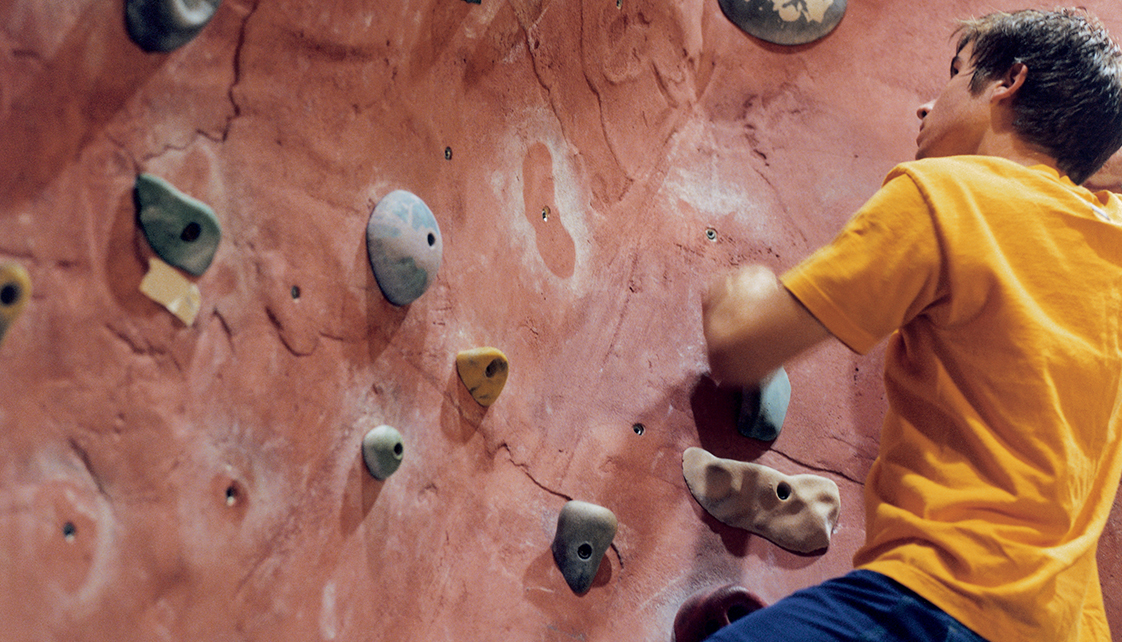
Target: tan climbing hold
15	292
166	286
797	512
483	371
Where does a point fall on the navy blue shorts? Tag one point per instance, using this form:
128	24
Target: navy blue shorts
862	606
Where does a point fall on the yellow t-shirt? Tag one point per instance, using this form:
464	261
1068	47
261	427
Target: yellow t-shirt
1001	288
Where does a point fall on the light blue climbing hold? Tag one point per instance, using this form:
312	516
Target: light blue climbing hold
404	245
763	409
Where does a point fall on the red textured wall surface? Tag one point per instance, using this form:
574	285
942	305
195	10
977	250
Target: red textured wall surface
208	478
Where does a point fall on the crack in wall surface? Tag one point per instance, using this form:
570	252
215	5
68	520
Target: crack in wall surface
237	63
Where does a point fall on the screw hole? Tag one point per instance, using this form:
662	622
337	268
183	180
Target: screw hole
231	495
493	368
584	551
711	234
546	212
9	294
639	429
295	292
69	531
447	153
783	491
432	239
191	233
398	449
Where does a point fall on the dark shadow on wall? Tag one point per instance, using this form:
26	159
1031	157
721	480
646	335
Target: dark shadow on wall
69	100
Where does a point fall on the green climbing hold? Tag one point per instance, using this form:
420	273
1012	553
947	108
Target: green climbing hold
182	230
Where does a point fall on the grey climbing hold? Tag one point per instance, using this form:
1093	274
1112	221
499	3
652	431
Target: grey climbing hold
404	245
763	409
164	25
785	22
382	451
584	533
183	231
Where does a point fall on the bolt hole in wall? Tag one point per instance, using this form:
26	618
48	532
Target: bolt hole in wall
546	212
191	232
493	367
231	495
783	491
295	292
639	429
69	531
9	294
447	153
584	551
711	234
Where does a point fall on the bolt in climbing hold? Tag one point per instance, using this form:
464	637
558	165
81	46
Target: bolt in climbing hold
15	291
182	230
404	245
164	25
382	451
584	533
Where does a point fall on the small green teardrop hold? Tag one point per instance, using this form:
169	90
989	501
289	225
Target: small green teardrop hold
182	230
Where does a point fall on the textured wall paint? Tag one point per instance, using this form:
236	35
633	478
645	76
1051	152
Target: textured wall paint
162	482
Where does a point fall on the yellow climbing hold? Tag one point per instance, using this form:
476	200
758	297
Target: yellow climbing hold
15	291
483	371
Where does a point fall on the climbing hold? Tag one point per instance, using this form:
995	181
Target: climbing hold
164	285
783	22
484	372
711	610
404	245
181	229
164	25
584	533
763	409
796	512
382	450
15	291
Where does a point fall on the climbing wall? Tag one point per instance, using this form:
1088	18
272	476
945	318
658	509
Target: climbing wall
189	465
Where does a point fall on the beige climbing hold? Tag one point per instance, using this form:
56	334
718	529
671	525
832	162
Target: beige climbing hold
166	286
797	512
483	371
15	291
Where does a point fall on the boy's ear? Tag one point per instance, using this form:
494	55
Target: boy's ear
1011	81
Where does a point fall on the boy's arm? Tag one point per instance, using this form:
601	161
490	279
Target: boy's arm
753	325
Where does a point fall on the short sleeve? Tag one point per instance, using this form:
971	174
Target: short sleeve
880	272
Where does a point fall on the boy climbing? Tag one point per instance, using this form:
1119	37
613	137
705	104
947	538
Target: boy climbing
998	282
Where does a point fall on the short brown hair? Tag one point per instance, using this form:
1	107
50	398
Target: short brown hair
1071	102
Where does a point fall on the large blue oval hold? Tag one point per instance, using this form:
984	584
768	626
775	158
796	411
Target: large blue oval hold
404	245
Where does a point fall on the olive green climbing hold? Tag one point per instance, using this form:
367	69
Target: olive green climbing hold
584	533
164	25
15	291
483	371
382	451
182	230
